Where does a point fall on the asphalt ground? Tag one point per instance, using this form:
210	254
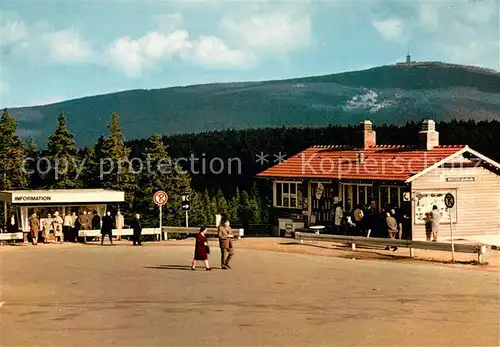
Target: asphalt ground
76	295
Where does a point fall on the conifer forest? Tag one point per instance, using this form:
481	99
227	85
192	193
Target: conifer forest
228	187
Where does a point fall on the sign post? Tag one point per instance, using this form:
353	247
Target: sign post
186	207
160	198
449	201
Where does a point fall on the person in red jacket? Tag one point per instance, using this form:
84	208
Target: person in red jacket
201	250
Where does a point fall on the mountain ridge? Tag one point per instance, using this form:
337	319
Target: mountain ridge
386	94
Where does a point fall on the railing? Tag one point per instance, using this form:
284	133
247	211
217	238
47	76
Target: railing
354	241
119	232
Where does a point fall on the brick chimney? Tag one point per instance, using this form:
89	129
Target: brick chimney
368	135
428	137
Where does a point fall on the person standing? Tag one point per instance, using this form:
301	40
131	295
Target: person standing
435	220
46	226
107	228
339	215
428	226
85	221
137	227
358	219
392	228
119	223
74	227
34	229
226	249
67	226
95	222
201	250
57	223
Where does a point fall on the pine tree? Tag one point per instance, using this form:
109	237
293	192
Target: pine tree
155	177
222	205
162	174
32	156
250	209
235	207
117	171
90	174
13	174
62	154
196	217
213	209
206	212
257	203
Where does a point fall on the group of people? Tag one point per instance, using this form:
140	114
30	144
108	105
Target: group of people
432	220
368	221
202	249
66	229
384	222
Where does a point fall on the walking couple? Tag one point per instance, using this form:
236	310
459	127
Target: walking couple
202	249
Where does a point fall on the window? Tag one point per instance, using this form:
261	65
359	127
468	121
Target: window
287	194
390	196
356	194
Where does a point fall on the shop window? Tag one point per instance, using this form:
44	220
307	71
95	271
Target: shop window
354	194
390	196
394	196
287	194
384	196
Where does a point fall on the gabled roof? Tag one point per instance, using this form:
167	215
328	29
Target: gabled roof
381	162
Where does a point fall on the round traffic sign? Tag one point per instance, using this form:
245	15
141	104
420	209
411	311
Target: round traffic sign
449	200
160	198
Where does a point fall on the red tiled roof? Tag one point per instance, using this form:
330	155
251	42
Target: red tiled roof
381	162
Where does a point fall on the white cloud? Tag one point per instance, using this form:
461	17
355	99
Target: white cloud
270	32
390	29
4	87
67	46
12	31
212	51
135	56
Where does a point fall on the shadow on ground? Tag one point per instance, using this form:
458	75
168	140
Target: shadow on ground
177	267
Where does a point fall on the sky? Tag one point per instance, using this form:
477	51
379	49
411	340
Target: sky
59	50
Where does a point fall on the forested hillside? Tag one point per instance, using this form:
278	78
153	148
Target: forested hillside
387	94
237	194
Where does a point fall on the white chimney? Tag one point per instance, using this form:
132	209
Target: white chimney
428	137
368	135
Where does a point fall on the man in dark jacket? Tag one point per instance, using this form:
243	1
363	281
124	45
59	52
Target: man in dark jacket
107	227
96	221
136	225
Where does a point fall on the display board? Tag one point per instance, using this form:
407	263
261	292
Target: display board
425	200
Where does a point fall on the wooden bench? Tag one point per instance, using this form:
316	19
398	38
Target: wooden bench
7	237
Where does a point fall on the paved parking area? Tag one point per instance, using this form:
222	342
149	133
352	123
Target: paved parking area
74	295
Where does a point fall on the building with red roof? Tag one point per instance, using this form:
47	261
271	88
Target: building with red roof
409	179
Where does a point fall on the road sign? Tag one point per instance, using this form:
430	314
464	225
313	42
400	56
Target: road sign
449	200
160	198
185	202
406	196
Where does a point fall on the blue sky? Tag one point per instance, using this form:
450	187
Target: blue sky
58	50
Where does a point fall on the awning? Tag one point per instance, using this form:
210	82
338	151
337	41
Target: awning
62	196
